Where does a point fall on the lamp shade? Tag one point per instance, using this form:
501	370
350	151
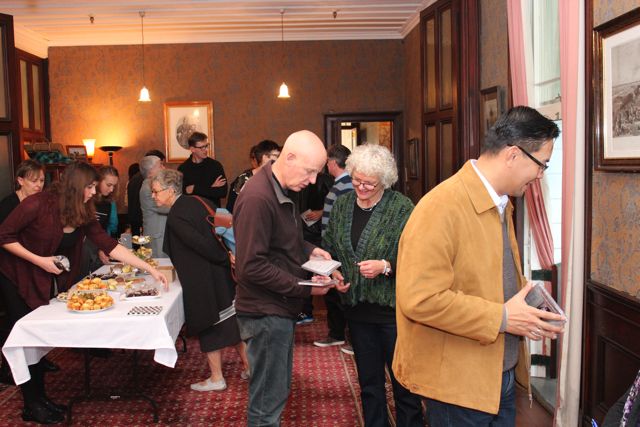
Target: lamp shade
90	145
144	95
284	91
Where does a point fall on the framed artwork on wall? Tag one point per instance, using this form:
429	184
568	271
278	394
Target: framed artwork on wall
491	107
616	91
181	119
77	152
413	156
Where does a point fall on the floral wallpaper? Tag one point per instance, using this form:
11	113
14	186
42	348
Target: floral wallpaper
94	91
494	45
606	10
615	221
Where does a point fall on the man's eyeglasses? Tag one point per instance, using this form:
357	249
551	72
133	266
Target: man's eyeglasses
202	147
366	185
155	192
543	167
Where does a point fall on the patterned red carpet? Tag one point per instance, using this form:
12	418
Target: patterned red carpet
324	391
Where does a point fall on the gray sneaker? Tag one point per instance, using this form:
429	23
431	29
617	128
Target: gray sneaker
347	349
328	342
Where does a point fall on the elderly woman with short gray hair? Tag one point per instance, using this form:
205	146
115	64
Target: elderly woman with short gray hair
363	234
203	267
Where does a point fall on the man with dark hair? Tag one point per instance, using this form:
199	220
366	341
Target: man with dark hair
460	292
336	163
261	153
134	212
203	176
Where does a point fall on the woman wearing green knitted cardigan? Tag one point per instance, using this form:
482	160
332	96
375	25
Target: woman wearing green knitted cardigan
363	233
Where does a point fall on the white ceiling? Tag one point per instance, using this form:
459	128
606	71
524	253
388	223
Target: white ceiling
39	24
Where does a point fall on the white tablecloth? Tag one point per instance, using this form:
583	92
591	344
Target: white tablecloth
52	325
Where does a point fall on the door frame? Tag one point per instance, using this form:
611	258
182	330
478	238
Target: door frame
332	131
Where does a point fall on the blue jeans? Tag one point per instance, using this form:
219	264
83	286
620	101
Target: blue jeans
373	347
442	414
270	353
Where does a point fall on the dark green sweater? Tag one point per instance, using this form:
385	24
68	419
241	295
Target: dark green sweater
379	240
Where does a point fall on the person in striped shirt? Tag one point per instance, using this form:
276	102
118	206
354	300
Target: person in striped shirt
336	163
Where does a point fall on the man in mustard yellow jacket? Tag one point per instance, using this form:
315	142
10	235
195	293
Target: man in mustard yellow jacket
460	305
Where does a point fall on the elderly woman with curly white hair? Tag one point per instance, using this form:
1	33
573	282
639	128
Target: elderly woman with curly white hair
363	233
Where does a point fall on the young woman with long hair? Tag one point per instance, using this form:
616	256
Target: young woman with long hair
53	222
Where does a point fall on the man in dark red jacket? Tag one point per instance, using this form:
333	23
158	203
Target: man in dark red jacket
270	250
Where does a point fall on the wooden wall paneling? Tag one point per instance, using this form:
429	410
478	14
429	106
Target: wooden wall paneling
612	361
10	127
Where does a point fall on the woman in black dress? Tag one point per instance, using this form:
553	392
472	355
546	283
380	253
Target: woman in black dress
203	267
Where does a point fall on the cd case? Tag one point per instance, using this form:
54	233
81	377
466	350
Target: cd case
539	298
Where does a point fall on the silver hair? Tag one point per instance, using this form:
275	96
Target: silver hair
169	178
147	163
374	160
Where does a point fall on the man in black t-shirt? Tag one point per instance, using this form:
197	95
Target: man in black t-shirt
203	176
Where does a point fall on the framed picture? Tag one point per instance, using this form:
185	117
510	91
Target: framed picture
181	119
491	107
616	91
413	154
77	152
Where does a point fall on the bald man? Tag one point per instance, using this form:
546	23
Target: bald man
270	250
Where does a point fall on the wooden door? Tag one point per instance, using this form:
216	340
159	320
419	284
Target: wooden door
9	119
449	56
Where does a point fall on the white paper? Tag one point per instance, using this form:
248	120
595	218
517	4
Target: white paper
323	267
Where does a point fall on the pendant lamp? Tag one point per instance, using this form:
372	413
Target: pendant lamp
284	90
144	92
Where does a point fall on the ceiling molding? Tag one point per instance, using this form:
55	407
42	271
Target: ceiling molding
415	18
30	41
57	23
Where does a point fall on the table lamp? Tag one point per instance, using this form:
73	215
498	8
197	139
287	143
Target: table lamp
90	145
110	149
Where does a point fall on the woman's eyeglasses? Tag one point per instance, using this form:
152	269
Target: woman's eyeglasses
155	192
366	185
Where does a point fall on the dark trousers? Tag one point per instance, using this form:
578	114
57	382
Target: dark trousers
335	315
17	308
448	415
307	306
270	353
373	346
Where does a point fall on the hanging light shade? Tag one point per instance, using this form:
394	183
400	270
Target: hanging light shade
144	95
284	90
144	92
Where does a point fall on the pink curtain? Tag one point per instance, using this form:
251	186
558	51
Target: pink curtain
571	15
533	196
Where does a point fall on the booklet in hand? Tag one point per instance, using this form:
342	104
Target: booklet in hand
323	267
538	297
319	284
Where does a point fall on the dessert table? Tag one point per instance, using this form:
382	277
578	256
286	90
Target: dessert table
53	325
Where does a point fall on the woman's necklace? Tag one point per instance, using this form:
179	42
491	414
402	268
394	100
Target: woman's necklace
370	208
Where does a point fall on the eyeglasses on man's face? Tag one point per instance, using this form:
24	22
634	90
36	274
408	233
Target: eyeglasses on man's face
543	167
201	147
366	185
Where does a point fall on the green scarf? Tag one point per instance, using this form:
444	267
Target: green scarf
379	240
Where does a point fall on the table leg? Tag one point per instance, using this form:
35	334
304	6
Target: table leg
88	395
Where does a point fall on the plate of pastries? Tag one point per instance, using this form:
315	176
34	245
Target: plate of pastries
89	301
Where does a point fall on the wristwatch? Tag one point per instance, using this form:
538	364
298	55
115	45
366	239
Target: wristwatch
387	268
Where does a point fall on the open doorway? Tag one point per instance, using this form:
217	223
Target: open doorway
353	129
